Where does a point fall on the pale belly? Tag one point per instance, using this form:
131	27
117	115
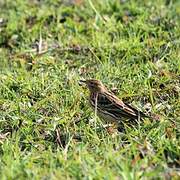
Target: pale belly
108	118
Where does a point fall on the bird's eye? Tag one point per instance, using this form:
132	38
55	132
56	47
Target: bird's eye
91	83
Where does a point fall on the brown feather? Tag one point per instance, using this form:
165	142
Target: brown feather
109	106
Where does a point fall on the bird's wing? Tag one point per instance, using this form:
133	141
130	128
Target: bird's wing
112	105
140	113
120	105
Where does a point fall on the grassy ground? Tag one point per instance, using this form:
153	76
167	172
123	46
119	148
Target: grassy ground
47	129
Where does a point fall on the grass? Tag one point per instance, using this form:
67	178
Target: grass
47	129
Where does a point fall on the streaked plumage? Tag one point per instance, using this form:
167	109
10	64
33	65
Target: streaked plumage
110	107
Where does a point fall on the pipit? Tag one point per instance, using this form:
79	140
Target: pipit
109	107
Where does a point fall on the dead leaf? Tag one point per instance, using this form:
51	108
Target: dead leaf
3	137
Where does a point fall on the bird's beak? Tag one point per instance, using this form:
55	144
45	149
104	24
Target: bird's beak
81	82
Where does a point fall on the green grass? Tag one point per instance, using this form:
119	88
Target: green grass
46	125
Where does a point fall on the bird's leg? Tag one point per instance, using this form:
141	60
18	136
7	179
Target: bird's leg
112	129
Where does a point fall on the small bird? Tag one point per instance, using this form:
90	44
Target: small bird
108	106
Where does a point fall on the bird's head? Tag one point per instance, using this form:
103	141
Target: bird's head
94	85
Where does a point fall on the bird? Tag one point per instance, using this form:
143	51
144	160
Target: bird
108	106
